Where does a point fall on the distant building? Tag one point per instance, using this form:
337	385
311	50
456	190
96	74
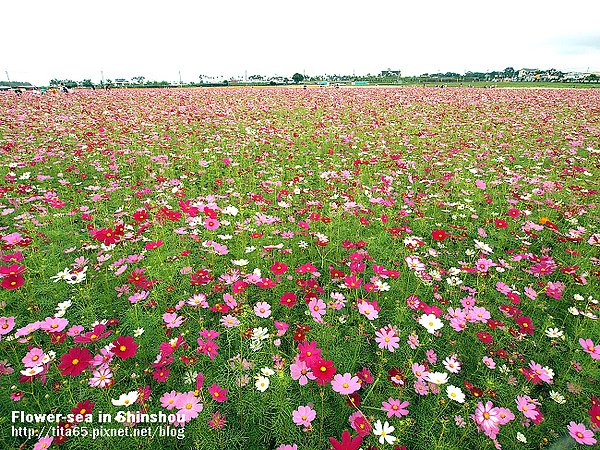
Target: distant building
527	74
391	73
121	82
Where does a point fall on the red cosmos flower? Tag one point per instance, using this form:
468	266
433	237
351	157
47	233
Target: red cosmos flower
161	374
83	408
353	400
140	215
12	257
218	394
484	337
137	278
210	213
347	443
107	236
324	370
439	235
595	411
153	245
266	283
13	269
397	376
336	274
500	223
76	361
125	347
278	268
526	325
309	352
12	282
514	297
514	213
288	299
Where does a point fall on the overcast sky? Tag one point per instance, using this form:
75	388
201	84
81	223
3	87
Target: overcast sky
78	39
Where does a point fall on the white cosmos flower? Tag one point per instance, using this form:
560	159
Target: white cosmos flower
554	333
557	397
521	437
126	399
384	432
262	383
32	371
455	393
239	262
437	377
267	372
431	323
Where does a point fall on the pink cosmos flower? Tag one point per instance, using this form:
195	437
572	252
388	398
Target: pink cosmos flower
43	443
33	357
489	362
102	377
345	384
486	418
387	338
172	320
169	399
505	415
529	407
368	310
287	447
317	308
581	434
13	238
53	324
211	224
262	309
393	407
304	415
589	347
188	405
413	341
300	372
480	184
6	325
419	371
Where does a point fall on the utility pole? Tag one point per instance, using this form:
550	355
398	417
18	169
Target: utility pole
102	76
7	77
180	83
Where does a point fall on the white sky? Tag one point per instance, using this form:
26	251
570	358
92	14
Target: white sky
77	39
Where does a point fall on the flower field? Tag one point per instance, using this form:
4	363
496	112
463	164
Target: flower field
306	269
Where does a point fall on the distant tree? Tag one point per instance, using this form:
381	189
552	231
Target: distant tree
297	77
139	79
87	83
509	72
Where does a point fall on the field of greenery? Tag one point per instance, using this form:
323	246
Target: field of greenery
300	269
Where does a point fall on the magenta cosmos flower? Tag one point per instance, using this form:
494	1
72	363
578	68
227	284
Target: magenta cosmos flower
345	384
393	407
76	361
581	434
304	415
218	394
486	417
